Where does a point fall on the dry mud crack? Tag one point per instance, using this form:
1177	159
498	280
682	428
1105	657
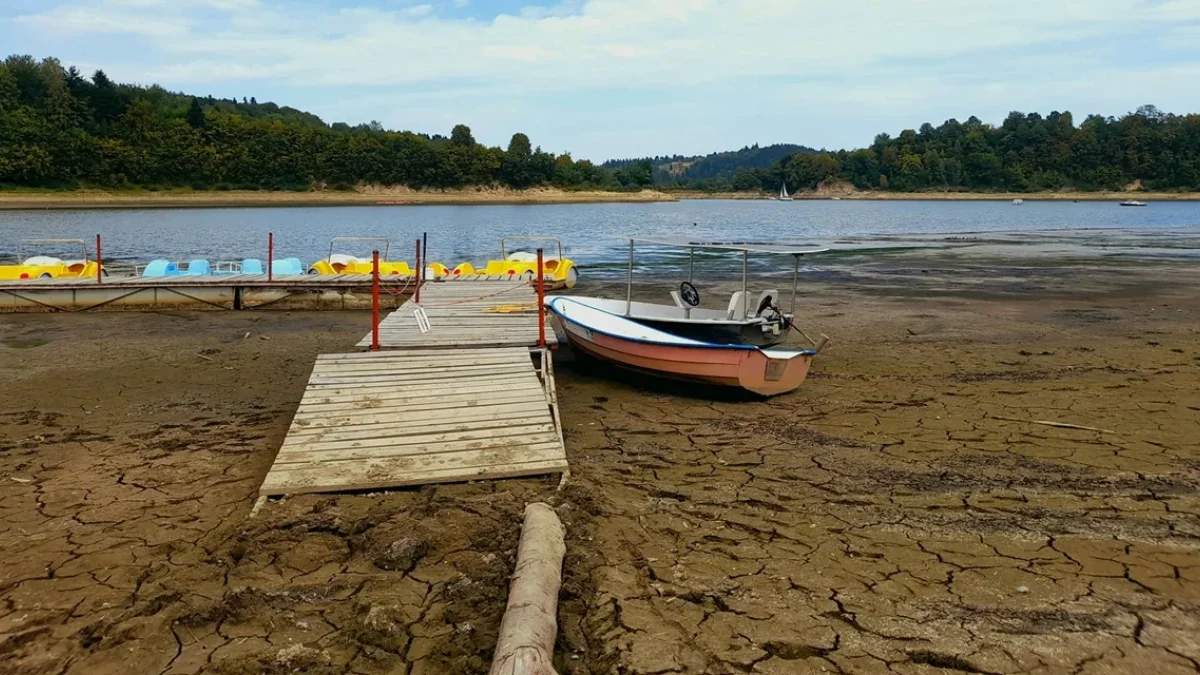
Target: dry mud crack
882	519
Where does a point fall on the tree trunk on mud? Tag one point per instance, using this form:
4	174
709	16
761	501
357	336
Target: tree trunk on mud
530	624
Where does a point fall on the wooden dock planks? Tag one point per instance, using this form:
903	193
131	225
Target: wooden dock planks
391	419
480	312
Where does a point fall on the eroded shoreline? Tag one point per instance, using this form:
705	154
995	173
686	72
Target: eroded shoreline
903	511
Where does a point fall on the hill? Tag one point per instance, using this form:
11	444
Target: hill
713	171
1143	150
61	130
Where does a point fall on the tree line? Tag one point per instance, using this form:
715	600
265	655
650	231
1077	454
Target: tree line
59	129
1027	152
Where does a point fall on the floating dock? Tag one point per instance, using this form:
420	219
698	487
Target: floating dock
232	291
471	398
476	311
397	418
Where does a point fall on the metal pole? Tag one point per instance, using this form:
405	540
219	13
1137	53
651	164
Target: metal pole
425	248
541	295
99	262
687	311
417	293
629	287
270	256
745	298
375	300
795	278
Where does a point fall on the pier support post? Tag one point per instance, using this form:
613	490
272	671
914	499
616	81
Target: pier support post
417	275
270	256
375	301
541	300
99	262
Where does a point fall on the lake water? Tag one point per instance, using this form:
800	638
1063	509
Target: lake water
593	234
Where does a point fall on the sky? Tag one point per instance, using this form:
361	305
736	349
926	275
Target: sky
624	78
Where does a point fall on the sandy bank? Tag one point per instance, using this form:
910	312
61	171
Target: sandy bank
370	196
957	196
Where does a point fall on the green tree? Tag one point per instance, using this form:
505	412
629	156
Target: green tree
195	114
517	168
461	136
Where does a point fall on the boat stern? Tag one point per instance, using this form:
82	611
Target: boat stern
770	372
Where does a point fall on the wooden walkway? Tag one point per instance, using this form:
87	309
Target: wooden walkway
475	312
389	419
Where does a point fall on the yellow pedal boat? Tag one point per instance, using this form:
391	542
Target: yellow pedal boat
47	267
559	272
341	263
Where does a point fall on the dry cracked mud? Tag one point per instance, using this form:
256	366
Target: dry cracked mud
901	513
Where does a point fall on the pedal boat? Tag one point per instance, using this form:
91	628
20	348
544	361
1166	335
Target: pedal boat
48	267
559	272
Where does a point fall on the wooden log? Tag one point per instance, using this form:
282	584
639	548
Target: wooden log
530	624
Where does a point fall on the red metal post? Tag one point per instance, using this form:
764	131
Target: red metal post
99	263
417	293
375	301
270	255
541	295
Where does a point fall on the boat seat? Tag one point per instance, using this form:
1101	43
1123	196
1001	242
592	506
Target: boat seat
198	268
252	266
161	268
737	306
766	299
287	266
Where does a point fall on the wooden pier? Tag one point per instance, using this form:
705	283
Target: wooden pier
474	311
467	399
374	420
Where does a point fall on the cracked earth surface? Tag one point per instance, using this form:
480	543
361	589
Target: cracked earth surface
897	514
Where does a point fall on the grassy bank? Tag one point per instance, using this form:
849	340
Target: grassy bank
98	199
956	196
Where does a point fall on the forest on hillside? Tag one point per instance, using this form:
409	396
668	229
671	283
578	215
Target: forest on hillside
59	129
62	130
1027	152
679	171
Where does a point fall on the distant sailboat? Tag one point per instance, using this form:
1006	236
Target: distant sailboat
783	193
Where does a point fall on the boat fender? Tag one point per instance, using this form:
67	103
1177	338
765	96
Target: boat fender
689	294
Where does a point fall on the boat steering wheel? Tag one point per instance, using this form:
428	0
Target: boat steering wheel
689	294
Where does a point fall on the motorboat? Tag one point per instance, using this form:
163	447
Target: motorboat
633	345
1132	202
1018	202
49	267
558	271
761	324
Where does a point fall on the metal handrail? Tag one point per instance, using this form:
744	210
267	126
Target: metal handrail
387	244
504	250
39	242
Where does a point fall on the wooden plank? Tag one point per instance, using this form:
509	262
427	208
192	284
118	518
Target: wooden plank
409	418
428	443
385	475
402	398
